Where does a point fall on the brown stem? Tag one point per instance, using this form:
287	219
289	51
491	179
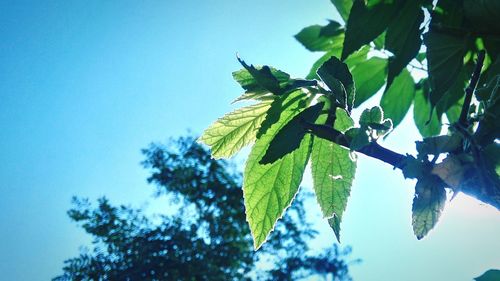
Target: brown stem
469	91
373	149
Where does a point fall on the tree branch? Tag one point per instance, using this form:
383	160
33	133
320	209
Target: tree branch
469	91
373	149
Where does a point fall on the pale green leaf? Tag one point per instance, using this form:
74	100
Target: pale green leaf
269	189
428	205
235	130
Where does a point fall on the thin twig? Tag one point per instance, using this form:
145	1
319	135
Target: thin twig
469	91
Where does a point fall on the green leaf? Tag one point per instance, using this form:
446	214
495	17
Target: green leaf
338	78
333	172
483	14
343	7
321	38
454	94
234	130
428	204
316	65
369	77
397	100
365	24
427	124
403	38
490	275
290	136
372	115
269	189
489	127
359	137
264	78
439	144
445	55
274	112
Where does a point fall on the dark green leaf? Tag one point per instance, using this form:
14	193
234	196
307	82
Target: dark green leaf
365	24
427	124
338	78
290	136
428	204
264	78
343	7
269	189
454	94
369	77
312	73
490	275
321	38
489	127
397	100
403	38
359	137
439	144
483	14
371	115
254	90
445	60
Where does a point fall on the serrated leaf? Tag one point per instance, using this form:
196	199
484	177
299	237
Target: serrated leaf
369	77
445	60
427	124
338	78
343	7
290	136
371	115
428	204
269	189
403	38
333	172
365	24
321	38
490	275
264	78
234	130
397	100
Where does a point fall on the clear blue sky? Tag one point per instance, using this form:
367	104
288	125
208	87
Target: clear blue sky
84	85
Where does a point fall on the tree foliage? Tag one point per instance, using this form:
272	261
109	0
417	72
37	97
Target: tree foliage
381	43
207	239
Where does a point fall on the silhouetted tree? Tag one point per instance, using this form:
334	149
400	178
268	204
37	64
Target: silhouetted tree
207	238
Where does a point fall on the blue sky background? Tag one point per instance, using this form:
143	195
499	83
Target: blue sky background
84	85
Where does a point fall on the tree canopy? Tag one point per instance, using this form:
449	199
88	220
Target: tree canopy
429	54
207	239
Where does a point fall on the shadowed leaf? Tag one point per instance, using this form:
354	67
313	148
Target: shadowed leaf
428	204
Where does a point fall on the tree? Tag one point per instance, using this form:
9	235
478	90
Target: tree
207	239
299	121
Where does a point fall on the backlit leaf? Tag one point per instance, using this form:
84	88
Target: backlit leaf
369	77
403	38
365	24
428	205
321	38
338	78
445	60
397	100
269	189
333	172
290	136
427	124
343	7
235	130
